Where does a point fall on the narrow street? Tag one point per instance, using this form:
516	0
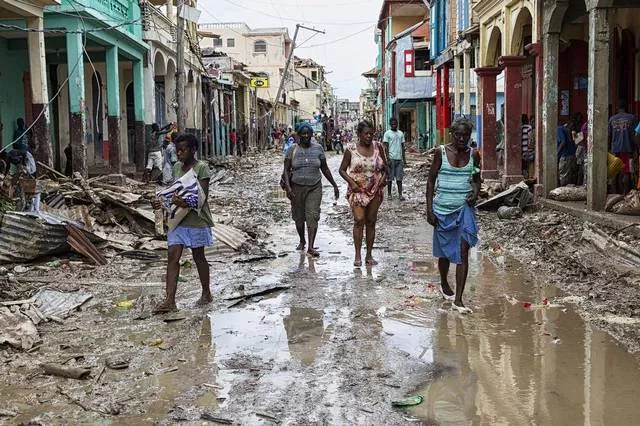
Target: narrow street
334	346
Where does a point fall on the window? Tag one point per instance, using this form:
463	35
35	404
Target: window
314	75
260	46
231	42
422	60
409	70
217	42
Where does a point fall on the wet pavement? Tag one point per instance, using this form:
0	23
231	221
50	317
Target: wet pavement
341	343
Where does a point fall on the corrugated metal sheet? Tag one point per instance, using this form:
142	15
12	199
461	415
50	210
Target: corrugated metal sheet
230	236
80	243
123	197
26	236
59	304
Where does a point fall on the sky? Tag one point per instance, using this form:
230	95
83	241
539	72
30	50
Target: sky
346	50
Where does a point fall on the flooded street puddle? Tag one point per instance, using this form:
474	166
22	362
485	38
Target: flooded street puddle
519	359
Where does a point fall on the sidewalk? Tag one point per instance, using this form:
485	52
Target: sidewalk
579	210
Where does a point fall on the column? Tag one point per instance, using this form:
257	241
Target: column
77	119
598	108
170	13
487	87
149	115
535	50
139	102
446	104
466	82
512	117
550	113
113	108
457	108
39	93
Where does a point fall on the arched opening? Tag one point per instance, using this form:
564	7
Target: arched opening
494	48
131	124
522	32
159	64
97	116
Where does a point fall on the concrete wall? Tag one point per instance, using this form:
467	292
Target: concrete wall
310	102
14	65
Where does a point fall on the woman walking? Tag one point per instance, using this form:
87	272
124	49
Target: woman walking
452	191
302	180
364	167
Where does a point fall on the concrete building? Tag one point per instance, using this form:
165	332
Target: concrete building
159	27
308	87
406	83
263	50
587	50
24	82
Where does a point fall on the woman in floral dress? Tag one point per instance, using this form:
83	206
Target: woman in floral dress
364	168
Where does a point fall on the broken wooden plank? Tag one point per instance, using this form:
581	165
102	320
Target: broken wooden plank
80	243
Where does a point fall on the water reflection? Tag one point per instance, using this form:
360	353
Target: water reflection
509	365
305	329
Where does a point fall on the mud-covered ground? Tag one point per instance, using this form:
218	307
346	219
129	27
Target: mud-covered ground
334	345
604	283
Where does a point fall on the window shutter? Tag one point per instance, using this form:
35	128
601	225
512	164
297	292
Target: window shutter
409	63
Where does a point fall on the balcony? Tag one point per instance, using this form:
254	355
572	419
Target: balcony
157	26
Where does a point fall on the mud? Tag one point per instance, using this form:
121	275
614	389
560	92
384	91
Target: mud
336	347
550	244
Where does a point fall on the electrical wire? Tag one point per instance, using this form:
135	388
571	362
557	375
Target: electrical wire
294	19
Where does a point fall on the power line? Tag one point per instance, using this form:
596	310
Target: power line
293	19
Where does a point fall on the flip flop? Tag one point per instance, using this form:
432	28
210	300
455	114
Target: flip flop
371	262
301	246
313	253
357	263
446	296
461	309
164	309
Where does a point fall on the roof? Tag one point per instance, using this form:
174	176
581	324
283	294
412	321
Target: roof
408	31
372	73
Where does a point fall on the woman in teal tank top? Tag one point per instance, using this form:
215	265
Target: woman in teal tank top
452	191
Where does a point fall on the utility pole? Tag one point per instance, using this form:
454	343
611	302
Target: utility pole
286	66
182	120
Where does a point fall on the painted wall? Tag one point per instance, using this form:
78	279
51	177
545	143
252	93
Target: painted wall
15	64
409	87
401	23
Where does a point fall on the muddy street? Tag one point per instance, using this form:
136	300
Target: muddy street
325	343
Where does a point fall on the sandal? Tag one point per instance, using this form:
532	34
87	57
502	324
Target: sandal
461	309
371	262
313	253
163	308
301	246
357	263
446	296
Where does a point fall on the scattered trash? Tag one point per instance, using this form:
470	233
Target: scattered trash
125	304
505	212
54	303
556	341
153	342
118	362
64	371
244	297
19	269
17	329
569	193
408	401
215	418
517	195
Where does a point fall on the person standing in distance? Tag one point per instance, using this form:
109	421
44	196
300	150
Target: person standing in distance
394	145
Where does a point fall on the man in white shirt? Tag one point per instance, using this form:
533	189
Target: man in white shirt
394	146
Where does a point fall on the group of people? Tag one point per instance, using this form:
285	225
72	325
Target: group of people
368	166
623	141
